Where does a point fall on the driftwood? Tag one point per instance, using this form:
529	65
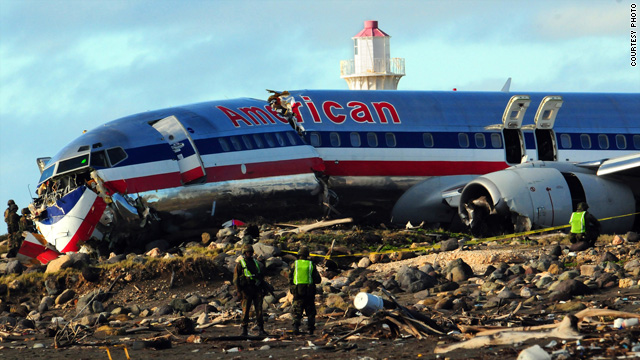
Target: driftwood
566	329
490	330
318	225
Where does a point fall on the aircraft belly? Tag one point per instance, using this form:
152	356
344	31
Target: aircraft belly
238	198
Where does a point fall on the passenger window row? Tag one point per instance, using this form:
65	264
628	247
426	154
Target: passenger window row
603	141
257	141
372	141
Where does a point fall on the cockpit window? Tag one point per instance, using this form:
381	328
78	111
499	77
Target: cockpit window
47	173
116	155
73	163
99	159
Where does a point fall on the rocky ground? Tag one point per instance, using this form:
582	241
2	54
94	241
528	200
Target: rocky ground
176	302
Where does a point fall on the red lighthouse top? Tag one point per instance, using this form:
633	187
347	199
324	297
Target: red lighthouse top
371	29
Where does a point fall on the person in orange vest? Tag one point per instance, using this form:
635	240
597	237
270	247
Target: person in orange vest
248	278
585	228
303	278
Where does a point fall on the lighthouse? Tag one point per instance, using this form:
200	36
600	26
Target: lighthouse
372	67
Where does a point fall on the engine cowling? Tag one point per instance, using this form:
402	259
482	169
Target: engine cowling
537	195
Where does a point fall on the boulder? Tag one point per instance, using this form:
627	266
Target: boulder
14	267
567	289
449	245
413	280
458	270
58	264
265	251
632	237
66	296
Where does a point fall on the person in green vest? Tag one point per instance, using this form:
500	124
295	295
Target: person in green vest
248	278
585	228
303	278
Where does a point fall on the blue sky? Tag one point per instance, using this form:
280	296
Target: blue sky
71	65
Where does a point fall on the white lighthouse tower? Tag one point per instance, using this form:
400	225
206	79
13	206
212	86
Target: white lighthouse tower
372	68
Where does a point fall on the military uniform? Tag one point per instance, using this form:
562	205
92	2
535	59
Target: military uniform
13	228
584	226
247	277
25	223
303	278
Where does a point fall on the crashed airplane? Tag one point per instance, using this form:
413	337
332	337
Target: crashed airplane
492	161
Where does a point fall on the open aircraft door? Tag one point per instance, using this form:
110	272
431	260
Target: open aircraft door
187	155
511	131
545	137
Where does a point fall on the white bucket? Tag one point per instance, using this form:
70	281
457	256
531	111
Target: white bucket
368	303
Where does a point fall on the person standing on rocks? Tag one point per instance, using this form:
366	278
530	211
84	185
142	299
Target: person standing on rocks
585	228
303	278
12	219
248	278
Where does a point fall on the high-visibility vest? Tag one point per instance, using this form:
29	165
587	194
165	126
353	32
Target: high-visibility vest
248	273
302	272
577	222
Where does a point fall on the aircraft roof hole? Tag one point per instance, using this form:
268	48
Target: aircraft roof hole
96	145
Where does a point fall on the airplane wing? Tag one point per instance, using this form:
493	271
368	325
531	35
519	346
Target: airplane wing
622	165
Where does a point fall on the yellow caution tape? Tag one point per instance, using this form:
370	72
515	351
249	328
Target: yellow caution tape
471	242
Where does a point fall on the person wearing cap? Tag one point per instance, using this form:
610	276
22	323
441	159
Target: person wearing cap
585	228
303	278
247	277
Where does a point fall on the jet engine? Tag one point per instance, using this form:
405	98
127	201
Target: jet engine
543	194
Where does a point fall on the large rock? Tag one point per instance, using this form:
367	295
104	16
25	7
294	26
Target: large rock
449	245
567	289
58	264
413	280
632	237
265	251
65	297
458	270
14	267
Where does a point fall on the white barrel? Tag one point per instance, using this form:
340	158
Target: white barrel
368	303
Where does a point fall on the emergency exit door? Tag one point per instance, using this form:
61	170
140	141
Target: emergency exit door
511	128
185	151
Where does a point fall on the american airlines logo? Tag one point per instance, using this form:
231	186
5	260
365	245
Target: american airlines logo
380	112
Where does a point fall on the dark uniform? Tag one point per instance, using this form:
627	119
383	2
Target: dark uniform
248	278
303	278
25	223
585	228
13	228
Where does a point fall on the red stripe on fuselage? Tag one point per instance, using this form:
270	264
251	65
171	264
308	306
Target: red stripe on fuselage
294	167
88	225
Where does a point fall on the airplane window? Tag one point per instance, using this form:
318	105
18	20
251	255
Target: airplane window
603	141
565	140
334	138
258	141
83	148
355	139
315	139
636	141
280	139
236	143
224	144
585	141
270	140
116	155
47	173
463	140
621	141
546	115
372	139
96	145
514	114
292	139
427	140
390	139
480	141
247	142
73	163
496	141
99	158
